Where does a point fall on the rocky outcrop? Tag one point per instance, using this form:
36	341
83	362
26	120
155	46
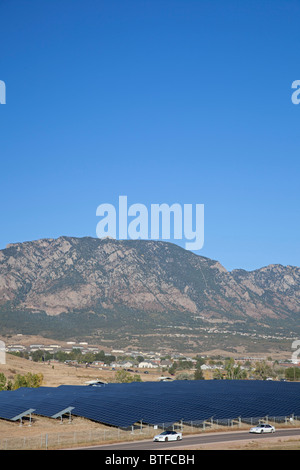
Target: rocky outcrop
101	276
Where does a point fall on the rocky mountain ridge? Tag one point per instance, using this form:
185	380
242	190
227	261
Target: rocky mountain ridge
142	278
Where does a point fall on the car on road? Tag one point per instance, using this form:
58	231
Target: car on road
262	428
168	436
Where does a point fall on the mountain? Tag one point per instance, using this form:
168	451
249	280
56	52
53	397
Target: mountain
136	284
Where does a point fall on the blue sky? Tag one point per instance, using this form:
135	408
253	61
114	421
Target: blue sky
182	101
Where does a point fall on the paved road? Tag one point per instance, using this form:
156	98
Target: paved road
194	440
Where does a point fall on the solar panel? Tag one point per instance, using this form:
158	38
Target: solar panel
159	403
13	412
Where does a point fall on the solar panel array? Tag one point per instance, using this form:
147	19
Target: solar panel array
158	403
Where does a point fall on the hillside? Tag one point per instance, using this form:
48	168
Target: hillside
90	286
56	373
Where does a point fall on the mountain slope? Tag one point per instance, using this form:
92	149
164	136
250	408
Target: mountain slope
135	279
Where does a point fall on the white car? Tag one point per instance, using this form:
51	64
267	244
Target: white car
261	428
168	436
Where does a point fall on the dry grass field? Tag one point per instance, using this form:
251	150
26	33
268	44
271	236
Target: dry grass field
79	431
55	374
272	443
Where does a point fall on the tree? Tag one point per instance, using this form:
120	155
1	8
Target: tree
173	368
39	355
136	378
218	375
89	358
122	376
28	380
198	375
9	385
2	381
184	376
292	373
183	364
200	361
234	372
263	370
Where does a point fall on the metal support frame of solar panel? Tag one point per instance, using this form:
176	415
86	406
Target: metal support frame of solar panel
61	413
54	405
21	415
14	412
46	401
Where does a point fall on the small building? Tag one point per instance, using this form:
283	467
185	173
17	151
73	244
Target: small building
15	348
98	363
126	364
147	365
166	363
96	383
205	367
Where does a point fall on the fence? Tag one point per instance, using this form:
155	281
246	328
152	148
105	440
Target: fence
55	440
76	438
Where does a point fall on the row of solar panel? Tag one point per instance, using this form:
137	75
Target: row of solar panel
123	405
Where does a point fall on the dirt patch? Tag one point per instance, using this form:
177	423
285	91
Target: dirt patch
58	432
56	373
272	443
